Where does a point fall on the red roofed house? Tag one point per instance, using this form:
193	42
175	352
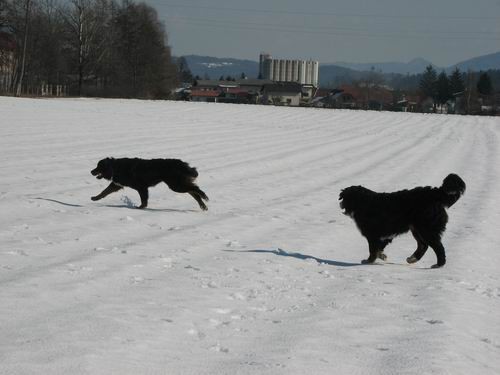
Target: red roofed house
205	95
225	91
370	97
210	90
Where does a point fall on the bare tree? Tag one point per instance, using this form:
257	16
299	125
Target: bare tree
370	82
85	23
145	61
3	14
470	91
25	43
115	50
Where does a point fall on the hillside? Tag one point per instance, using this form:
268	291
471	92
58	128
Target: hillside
332	74
268	280
214	67
414	66
491	61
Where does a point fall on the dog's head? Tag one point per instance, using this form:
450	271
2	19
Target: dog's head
453	187
104	169
351	198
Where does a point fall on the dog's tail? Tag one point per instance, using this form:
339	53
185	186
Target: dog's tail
191	171
453	188
185	169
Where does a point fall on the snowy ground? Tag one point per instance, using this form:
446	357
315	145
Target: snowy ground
268	281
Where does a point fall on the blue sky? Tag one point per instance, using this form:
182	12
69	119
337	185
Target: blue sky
442	31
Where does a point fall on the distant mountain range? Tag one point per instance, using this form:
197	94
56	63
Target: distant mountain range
415	66
486	62
214	67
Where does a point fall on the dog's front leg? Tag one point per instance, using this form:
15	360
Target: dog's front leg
144	194
112	187
438	248
421	248
374	252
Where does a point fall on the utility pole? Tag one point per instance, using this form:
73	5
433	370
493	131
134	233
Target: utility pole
23	60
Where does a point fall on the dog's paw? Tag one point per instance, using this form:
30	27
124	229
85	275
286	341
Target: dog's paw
437	265
412	259
94	198
367	261
382	256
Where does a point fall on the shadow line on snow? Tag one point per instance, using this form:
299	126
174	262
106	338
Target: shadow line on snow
147	208
284	253
116	206
56	201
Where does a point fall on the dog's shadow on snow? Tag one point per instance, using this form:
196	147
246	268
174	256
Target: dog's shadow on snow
59	202
128	203
300	256
132	207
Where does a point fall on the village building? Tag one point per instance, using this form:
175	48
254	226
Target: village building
282	93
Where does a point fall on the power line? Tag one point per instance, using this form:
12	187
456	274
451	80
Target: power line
330	14
328	31
292	28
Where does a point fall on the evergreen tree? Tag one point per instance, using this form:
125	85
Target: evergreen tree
484	85
185	74
443	90
457	81
428	82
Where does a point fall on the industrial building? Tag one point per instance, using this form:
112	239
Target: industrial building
304	72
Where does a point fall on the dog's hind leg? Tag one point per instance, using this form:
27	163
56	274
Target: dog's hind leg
112	187
199	195
198	199
380	253
421	247
144	194
190	188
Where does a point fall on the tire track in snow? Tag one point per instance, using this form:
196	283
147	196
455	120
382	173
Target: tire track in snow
408	161
328	323
298	191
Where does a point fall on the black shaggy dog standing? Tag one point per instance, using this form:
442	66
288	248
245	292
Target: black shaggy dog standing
140	174
382	216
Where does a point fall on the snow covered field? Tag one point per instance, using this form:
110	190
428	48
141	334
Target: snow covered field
268	280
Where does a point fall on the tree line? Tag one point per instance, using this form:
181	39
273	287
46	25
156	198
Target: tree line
472	87
93	47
